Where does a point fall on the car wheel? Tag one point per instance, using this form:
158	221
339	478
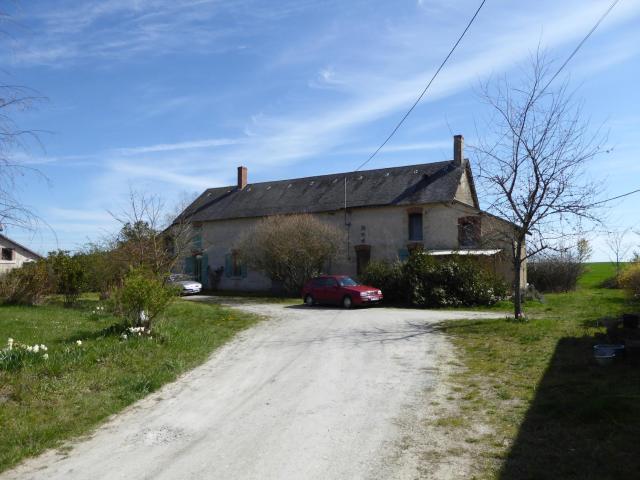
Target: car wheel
347	302
308	301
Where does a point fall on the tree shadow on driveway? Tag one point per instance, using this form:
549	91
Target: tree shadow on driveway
356	336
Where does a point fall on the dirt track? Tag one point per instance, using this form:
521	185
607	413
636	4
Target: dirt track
310	393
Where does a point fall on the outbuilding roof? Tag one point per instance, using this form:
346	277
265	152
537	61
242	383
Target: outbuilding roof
4	239
411	184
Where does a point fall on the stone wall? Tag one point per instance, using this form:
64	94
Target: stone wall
384	231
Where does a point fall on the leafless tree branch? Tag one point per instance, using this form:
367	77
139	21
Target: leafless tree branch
532	161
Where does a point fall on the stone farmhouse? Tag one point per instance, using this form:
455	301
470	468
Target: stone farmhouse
13	255
386	213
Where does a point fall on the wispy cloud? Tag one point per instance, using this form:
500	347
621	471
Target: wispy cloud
326	89
72	31
170	147
367	94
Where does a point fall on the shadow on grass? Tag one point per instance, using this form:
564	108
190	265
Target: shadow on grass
583	422
113	330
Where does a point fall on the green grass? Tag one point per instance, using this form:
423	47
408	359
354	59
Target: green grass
596	273
67	395
553	411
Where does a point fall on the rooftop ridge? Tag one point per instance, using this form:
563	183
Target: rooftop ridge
328	175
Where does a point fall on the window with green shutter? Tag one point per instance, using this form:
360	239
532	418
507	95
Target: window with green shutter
233	265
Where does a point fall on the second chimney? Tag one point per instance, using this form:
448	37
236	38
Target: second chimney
242	177
458	150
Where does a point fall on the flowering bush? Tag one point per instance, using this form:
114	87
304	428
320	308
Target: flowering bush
141	298
630	279
15	355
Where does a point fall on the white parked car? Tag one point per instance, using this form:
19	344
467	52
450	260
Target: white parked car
187	285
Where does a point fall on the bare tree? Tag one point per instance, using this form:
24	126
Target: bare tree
13	141
618	247
532	163
584	250
150	236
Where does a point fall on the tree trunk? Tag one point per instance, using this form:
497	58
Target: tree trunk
517	286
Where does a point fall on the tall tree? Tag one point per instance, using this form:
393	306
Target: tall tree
532	163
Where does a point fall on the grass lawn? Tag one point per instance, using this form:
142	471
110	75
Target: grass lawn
48	401
553	413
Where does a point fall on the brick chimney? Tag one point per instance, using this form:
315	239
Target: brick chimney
242	177
458	150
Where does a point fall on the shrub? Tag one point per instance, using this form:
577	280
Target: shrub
611	282
425	281
141	298
290	249
555	273
67	274
630	279
26	285
387	277
452	281
102	271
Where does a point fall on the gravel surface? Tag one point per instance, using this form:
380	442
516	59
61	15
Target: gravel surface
310	393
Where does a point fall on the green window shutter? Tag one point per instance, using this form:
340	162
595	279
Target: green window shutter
197	241
189	265
228	265
205	271
243	270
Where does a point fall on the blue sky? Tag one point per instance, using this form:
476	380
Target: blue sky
170	97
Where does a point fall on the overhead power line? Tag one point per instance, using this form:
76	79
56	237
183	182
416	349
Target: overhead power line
617	197
582	42
424	91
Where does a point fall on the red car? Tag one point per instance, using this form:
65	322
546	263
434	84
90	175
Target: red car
339	290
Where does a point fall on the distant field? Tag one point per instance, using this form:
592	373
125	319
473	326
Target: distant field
596	273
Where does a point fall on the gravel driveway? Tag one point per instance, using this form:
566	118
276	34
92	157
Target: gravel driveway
311	393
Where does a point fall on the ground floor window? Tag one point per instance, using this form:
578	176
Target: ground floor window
234	266
7	254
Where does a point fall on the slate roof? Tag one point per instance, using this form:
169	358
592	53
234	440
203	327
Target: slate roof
412	184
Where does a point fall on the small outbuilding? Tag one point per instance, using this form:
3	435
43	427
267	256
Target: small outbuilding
13	255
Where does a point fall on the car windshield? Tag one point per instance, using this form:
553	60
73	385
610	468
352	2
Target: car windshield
348	282
179	277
